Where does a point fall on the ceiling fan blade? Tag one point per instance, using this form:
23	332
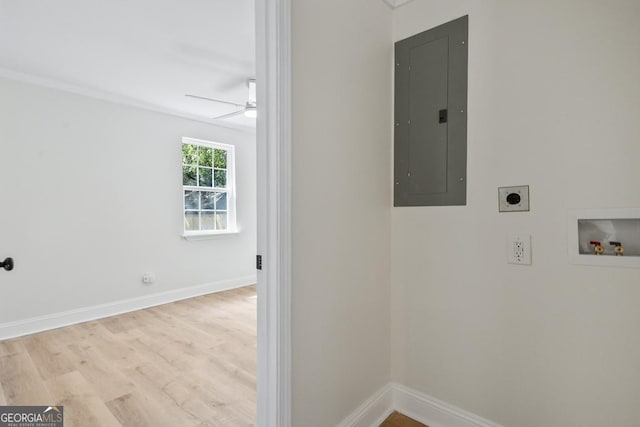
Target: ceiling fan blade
226	116
214	100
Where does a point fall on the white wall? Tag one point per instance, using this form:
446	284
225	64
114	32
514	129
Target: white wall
91	198
341	193
553	103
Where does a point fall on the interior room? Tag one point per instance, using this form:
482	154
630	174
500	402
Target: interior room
479	312
416	308
116	200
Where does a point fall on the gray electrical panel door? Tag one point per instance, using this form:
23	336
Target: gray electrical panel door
430	142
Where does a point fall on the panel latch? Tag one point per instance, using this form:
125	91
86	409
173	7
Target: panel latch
442	116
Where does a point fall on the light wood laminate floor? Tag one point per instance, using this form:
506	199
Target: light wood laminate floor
188	363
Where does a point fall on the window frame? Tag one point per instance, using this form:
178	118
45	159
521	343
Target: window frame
230	189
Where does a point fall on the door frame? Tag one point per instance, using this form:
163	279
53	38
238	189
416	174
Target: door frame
273	147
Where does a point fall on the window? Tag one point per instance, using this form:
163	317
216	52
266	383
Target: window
208	187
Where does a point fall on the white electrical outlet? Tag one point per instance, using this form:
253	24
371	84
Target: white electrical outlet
519	249
148	278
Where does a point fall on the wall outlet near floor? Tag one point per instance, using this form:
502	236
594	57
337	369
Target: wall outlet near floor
519	249
148	278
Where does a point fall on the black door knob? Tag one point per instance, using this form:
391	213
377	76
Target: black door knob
7	264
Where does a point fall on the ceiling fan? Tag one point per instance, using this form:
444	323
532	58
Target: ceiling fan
248	109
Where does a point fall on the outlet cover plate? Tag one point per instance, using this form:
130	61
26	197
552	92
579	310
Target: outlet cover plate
513	199
519	249
148	278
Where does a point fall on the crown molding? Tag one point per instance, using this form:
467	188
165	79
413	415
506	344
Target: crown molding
113	98
396	3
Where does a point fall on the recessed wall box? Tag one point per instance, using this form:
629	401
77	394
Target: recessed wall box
606	237
513	199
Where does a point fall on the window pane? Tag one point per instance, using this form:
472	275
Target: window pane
205	177
205	156
220	160
191	221
221	201
208	200
220	178
191	200
189	175
208	221
189	154
205	168
221	220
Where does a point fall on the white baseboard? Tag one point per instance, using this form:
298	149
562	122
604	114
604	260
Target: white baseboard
393	4
372	412
71	317
433	412
414	404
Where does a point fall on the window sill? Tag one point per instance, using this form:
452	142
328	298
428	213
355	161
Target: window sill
208	236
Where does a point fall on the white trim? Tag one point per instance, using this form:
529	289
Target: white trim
72	317
396	3
372	412
433	412
414	404
209	235
273	134
230	189
115	98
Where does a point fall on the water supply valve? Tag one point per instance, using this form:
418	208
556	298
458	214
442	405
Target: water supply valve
618	249
597	247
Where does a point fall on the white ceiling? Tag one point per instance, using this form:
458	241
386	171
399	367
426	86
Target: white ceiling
145	52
